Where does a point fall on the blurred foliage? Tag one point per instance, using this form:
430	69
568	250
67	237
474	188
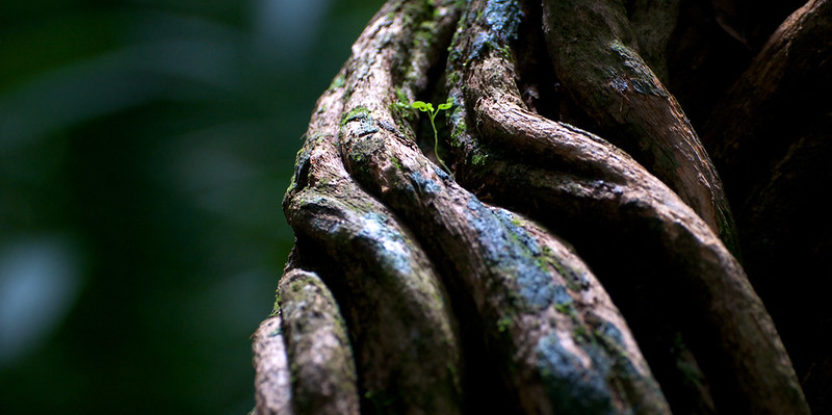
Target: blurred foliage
145	146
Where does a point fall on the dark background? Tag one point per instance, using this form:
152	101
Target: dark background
144	150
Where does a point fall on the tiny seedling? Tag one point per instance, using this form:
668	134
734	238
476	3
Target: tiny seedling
428	108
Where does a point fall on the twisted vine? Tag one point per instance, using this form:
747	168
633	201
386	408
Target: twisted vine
411	290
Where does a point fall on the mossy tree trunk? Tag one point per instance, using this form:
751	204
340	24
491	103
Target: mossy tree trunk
581	257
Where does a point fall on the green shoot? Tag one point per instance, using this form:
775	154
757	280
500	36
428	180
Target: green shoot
428	108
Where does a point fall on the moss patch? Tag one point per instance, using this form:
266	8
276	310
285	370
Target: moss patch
511	249
338	82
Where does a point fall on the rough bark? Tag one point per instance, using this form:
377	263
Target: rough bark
460	293
594	52
310	333
770	134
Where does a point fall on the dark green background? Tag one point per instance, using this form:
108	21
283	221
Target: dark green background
144	150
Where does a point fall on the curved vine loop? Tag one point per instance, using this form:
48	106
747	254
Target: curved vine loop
577	176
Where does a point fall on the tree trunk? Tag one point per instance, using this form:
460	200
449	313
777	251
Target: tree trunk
550	270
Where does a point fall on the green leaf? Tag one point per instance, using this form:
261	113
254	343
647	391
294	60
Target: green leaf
428	108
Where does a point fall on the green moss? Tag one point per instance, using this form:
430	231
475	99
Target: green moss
581	335
338	82
278	298
402	108
542	263
453	78
357	113
504	324
567	309
575	280
415	11
292	186
399	112
401	95
317	137
459	128
505	51
361	114
297	285
341	325
512	250
610	337
479	159
424	35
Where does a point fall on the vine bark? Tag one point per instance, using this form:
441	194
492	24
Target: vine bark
555	271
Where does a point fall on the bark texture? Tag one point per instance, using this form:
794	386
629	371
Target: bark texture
551	270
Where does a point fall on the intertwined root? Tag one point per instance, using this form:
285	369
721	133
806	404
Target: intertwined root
452	303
